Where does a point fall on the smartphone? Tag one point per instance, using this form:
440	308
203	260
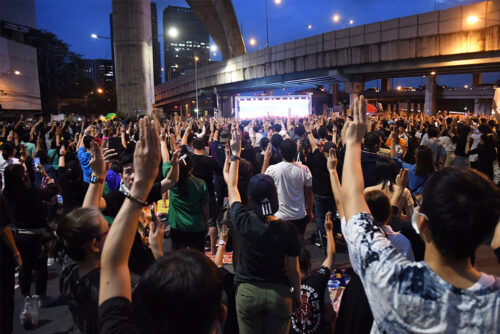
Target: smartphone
115	143
36	163
436	124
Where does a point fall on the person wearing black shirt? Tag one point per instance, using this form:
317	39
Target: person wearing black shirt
70	178
268	253
311	318
25	203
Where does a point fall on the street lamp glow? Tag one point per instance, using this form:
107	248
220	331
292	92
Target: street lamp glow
252	41
99	90
278	2
162	69
196	58
466	86
472	19
94	36
173	32
16	72
433	73
399	88
351	21
309	27
336	18
213	48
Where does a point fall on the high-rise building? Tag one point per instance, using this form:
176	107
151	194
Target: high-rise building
184	39
101	71
156	45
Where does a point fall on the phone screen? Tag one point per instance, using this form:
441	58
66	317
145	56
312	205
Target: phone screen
36	161
436	124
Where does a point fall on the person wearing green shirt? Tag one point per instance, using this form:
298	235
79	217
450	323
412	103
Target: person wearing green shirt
188	207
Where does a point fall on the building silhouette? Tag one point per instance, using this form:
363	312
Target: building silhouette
155	45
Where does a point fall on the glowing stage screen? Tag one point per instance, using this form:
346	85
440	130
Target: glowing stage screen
254	107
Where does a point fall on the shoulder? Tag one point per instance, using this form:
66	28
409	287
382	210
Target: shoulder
115	316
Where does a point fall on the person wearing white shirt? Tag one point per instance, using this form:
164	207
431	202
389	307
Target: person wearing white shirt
294	183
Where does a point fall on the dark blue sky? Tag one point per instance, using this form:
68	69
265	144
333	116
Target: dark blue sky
74	20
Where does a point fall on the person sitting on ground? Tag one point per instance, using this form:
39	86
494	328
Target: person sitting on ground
180	293
315	316
268	253
460	208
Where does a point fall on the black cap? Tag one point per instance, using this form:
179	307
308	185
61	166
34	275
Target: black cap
263	195
224	136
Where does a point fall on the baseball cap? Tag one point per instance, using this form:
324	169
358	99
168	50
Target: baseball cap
263	195
224	136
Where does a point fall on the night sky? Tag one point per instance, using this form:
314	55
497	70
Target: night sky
74	20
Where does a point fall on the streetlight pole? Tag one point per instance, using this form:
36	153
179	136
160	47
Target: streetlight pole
196	82
267	27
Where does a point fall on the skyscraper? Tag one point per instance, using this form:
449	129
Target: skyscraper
184	38
156	45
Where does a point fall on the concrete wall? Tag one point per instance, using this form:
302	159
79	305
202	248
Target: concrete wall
439	33
18	92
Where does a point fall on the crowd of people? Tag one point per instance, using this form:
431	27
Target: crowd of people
409	197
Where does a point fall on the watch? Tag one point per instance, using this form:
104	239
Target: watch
96	179
234	158
222	242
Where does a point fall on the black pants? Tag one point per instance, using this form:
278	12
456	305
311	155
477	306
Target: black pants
183	239
34	262
7	269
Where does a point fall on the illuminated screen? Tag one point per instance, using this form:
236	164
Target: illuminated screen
274	106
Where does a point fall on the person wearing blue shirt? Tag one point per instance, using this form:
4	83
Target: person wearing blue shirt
84	157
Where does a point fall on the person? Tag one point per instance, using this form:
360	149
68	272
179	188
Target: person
9	258
485	151
206	168
294	183
437	148
70	178
31	224
268	253
314	314
369	156
188	208
84	155
460	208
179	293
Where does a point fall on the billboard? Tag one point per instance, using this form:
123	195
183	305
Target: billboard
253	107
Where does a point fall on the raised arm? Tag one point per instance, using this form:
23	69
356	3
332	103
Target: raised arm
353	199
173	174
330	242
334	181
219	256
115	274
267	157
231	168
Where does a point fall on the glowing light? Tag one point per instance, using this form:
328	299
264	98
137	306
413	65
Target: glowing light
278	2
196	58
433	73
309	27
94	36
466	86
399	88
162	69
16	72
336	18
472	19
252	41
99	90
213	48
173	32
351	21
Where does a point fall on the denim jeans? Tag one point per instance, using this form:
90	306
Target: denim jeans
323	204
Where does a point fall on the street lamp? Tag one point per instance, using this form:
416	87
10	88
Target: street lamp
472	19
15	72
95	36
99	90
173	32
252	41
336	19
277	2
196	82
309	27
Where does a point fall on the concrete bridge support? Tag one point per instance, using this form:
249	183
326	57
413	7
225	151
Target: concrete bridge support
430	95
133	56
354	88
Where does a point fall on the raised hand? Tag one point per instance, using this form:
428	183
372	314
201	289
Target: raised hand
175	156
357	128
224	233
156	236
268	152
101	159
331	162
402	178
328	222
146	159
235	142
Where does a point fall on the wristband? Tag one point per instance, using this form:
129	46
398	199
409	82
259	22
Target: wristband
95	179
136	200
222	242
105	138
234	158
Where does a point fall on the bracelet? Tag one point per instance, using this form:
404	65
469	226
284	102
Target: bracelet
16	254
234	158
222	242
136	200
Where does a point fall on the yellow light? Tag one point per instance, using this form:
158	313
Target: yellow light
252	41
351	21
433	73
336	18
309	27
196	58
466	86
278	2
399	88
99	90
472	19
16	72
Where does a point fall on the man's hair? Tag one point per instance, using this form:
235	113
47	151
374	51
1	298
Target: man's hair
276	140
288	149
86	141
180	293
126	160
371	141
199	143
463	207
379	205
323	132
264	141
277	127
304	260
299	130
432	132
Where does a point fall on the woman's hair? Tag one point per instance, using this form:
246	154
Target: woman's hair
14	179
7	150
186	166
424	162
379	205
180	293
463	207
76	228
386	170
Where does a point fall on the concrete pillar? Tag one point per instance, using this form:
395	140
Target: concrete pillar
430	95
334	91
476	79
389	107
477	107
133	55
269	92
354	88
385	85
